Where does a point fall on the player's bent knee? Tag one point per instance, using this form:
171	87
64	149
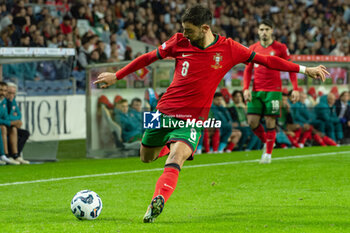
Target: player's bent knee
147	155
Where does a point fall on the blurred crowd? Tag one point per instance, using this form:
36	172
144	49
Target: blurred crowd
100	30
316	119
306	26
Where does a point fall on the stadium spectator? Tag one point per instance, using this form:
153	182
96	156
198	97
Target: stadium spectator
317	23
83	56
238	112
305	116
325	111
229	136
136	110
5	40
114	56
66	25
285	135
100	47
6	124
15	115
94	57
130	131
343	112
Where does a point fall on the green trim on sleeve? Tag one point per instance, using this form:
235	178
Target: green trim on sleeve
158	55
251	57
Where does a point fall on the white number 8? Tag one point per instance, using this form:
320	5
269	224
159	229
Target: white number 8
185	66
193	134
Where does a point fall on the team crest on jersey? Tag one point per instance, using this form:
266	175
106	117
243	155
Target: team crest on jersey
164	45
272	53
217	58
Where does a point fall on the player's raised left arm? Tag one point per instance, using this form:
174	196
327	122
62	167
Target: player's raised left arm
108	78
276	63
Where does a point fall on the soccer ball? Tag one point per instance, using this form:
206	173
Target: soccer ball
86	204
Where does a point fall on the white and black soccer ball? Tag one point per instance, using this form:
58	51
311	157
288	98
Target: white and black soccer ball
86	204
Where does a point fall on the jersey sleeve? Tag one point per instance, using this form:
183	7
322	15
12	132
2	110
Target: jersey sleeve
285	52
167	49
292	75
240	53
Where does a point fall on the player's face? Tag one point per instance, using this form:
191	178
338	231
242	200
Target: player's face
193	33
265	32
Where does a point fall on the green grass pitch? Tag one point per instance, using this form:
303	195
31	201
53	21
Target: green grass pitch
302	190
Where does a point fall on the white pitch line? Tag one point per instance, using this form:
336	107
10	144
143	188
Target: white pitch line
159	169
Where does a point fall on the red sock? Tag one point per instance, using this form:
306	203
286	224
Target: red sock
319	140
270	140
215	139
293	141
329	141
297	134
166	183
230	146
260	132
306	136
165	151
206	143
283	146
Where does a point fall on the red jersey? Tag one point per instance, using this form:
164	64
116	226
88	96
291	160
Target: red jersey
198	72
266	79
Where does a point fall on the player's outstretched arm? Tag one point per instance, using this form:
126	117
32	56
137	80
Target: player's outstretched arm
107	79
317	72
276	63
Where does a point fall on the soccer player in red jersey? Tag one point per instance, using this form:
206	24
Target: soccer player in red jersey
266	98
201	61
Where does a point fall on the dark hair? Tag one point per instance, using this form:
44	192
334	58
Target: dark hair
197	15
237	92
135	100
2	84
267	22
343	93
218	94
122	101
85	40
67	17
